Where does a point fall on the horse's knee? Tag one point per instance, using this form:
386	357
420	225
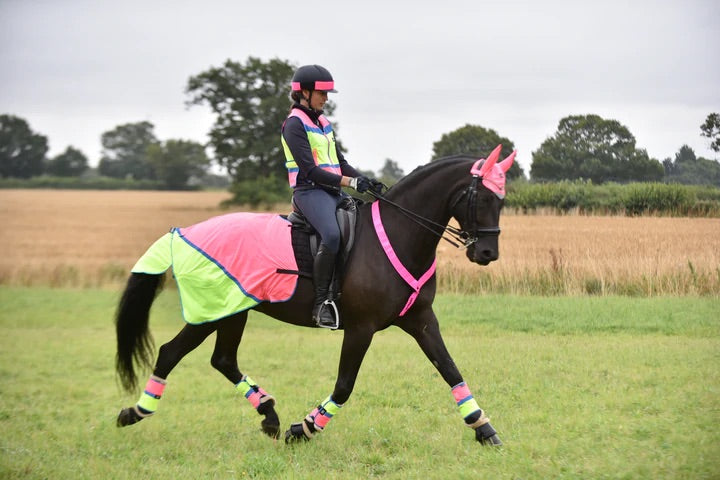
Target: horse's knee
223	363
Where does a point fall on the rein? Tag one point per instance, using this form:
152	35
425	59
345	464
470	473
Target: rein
457	237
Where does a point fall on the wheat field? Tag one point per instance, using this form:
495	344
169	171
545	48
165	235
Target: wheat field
92	238
553	254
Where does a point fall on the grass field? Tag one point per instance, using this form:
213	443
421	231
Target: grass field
92	238
612	373
577	387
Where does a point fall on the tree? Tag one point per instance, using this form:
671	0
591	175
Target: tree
390	172
22	152
124	151
475	141
711	130
251	103
590	147
176	161
686	168
71	163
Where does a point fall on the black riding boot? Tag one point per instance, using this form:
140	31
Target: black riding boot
324	310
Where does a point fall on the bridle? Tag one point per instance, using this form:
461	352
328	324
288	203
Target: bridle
471	213
457	237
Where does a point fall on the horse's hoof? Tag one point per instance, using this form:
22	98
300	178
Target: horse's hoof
295	433
492	441
127	416
486	435
271	429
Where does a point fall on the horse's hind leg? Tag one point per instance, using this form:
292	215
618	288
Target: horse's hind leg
169	355
224	360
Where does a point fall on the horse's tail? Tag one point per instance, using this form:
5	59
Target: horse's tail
135	345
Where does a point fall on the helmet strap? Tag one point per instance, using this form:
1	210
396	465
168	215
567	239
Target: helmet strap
307	99
309	102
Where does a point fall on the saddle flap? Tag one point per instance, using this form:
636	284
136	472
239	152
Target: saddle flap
346	215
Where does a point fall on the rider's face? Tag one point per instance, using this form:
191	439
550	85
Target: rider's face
317	99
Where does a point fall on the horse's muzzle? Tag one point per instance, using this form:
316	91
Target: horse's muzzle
482	256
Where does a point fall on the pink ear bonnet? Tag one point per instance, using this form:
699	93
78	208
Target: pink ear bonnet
493	173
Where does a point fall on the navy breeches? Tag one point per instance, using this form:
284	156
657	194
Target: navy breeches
319	207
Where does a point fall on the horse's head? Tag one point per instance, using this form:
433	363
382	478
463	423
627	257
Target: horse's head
477	209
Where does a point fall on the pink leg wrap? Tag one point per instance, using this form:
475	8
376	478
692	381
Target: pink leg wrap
253	392
461	392
469	409
154	387
322	414
255	396
321	419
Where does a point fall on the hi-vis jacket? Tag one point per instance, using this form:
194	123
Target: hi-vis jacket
323	152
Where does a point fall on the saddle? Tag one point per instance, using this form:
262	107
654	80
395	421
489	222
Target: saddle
306	240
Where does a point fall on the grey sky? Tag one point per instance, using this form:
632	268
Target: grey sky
406	71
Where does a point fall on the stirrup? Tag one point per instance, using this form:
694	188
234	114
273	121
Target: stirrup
336	315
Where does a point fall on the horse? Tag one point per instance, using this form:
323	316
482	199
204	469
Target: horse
393	259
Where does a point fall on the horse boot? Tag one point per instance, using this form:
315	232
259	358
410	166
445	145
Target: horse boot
324	311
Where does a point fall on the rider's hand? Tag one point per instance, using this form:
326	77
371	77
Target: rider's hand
376	186
361	183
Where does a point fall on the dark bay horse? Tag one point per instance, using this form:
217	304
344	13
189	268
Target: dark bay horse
393	259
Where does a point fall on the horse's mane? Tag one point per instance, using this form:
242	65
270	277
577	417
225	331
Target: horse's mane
429	168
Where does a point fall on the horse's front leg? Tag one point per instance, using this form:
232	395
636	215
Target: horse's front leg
355	344
424	328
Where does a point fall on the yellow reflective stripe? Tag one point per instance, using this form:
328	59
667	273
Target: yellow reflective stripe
331	407
193	269
157	259
245	385
468	407
289	160
322	144
148	402
324	147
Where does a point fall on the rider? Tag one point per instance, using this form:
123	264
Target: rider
316	171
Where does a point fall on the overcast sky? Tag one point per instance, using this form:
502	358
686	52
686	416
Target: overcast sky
406	71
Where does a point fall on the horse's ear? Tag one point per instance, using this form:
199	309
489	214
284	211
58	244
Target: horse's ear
507	163
490	162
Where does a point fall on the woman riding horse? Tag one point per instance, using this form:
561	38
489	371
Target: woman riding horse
393	261
316	171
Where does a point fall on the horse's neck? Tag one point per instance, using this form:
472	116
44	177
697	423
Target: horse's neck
415	244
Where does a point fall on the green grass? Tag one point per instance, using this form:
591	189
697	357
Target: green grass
577	387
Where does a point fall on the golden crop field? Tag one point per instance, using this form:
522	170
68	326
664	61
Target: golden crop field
553	254
92	238
88	238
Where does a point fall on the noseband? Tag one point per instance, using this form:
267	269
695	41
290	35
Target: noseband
459	238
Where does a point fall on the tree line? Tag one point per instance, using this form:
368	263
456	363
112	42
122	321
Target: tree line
129	152
250	102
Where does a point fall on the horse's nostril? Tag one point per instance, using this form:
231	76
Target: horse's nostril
489	255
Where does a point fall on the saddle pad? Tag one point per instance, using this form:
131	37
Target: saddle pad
303	252
226	264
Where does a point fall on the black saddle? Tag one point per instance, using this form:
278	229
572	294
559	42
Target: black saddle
306	240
